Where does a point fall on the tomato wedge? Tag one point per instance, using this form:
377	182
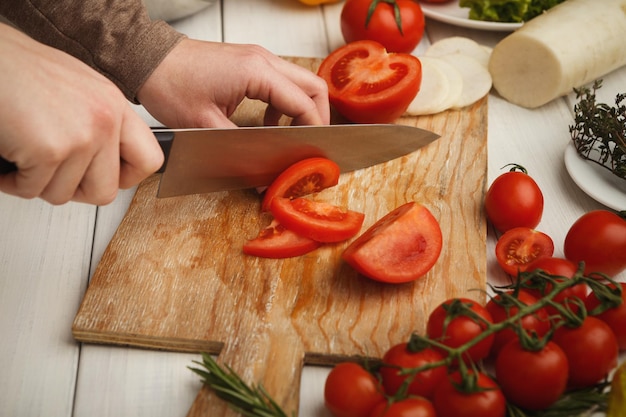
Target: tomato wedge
275	241
520	246
366	84
308	176
319	221
400	247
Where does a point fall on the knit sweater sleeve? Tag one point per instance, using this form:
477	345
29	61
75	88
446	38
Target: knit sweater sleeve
115	37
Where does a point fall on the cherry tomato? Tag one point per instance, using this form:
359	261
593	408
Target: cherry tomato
410	407
305	177
351	391
316	220
450	324
366	84
450	401
277	242
514	200
400	247
520	246
423	383
501	309
398	25
532	380
591	351
599	239
614	317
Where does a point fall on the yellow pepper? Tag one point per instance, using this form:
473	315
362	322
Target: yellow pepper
617	397
317	2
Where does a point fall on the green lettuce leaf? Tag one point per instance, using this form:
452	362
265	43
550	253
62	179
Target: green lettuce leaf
510	11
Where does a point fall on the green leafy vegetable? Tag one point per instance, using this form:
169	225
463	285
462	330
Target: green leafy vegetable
508	11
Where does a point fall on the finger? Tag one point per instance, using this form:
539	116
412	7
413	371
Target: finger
66	179
100	182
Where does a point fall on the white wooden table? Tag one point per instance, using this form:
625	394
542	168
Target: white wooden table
47	253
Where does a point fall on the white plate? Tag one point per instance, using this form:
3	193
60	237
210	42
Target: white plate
453	14
597	182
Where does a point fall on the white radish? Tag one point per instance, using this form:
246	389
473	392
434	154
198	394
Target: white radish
434	93
476	78
566	47
459	45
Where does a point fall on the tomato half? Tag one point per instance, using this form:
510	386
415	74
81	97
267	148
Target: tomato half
305	177
520	246
275	241
422	383
409	407
533	380
614	317
366	84
319	221
487	401
514	200
400	247
351	391
599	239
398	26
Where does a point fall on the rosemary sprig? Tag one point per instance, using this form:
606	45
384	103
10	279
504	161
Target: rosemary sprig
599	130
579	403
250	401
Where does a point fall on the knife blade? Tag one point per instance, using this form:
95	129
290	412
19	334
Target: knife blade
200	161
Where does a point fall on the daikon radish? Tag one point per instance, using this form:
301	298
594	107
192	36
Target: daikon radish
459	45
476	78
567	47
441	87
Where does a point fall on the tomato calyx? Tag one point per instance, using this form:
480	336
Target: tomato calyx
396	12
516	168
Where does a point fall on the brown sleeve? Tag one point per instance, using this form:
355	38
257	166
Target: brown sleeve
116	37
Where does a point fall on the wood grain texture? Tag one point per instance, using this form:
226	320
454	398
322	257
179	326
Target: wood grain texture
174	277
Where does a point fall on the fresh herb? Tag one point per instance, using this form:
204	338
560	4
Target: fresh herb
599	130
508	11
582	402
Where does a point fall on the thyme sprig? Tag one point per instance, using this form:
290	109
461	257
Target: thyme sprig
599	130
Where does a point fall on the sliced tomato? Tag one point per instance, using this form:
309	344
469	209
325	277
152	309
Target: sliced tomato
275	241
400	247
308	176
520	246
319	221
366	84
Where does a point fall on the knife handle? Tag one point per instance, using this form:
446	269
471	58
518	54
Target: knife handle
164	138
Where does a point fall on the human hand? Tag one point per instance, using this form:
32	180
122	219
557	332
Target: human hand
69	130
200	84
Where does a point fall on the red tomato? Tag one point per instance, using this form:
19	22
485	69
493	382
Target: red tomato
591	351
520	246
308	176
599	239
398	26
532	380
400	247
614	317
410	407
316	220
366	84
351	391
450	401
449	324
514	200
277	242
423	383
500	310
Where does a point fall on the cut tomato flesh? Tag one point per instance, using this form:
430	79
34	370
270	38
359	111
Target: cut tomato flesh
275	241
520	247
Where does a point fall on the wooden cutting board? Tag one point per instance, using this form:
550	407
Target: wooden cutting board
174	277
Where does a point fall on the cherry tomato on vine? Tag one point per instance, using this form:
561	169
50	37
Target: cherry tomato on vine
488	401
307	176
423	383
397	25
351	391
451	324
514	200
614	317
532	379
275	241
366	84
409	407
520	246
599	239
591	351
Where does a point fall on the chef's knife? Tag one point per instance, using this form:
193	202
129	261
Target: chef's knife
206	160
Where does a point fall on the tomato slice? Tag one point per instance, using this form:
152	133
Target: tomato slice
520	246
308	176
400	247
319	221
366	84
275	241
